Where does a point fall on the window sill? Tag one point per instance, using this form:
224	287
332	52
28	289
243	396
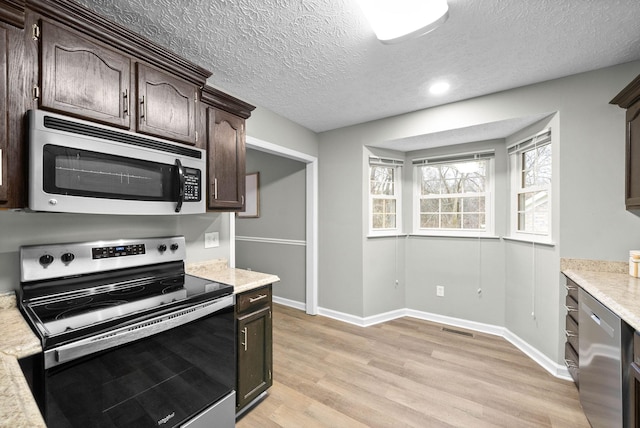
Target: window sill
529	241
440	235
387	235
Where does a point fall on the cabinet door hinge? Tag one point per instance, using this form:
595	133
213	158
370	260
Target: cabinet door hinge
269	374
35	32
269	314
196	136
36	92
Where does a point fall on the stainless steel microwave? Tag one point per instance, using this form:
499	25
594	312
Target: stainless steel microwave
77	166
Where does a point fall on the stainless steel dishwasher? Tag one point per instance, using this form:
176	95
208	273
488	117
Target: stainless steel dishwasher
605	343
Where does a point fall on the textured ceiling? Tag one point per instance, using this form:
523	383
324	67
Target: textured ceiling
317	63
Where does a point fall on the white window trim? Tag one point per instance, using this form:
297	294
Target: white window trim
397	164
489	231
515	168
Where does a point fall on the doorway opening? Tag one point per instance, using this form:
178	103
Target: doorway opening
310	241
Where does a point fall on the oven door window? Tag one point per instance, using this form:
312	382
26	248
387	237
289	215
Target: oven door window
160	381
75	172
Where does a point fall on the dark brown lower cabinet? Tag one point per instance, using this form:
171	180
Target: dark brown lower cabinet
255	345
634	375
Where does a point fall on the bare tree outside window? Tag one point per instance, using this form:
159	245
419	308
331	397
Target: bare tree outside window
533	197
382	189
453	195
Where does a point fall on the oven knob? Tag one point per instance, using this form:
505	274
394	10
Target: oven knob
162	248
67	258
46	260
174	246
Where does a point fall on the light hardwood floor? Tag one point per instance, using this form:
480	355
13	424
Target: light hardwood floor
405	372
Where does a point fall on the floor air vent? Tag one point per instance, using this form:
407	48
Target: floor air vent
460	332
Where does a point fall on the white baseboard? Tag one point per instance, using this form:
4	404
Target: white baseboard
291	303
555	369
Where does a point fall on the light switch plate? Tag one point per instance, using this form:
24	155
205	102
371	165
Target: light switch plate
211	239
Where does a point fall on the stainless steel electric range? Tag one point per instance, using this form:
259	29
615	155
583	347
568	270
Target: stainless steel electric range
129	339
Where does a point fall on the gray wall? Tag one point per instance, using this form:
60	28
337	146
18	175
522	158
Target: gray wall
462	265
281	223
521	282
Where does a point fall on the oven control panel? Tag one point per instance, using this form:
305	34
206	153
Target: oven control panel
117	251
41	262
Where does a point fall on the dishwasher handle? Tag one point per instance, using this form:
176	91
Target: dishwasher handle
597	320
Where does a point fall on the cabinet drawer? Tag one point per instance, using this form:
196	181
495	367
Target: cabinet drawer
571	332
572	361
572	289
571	305
254	299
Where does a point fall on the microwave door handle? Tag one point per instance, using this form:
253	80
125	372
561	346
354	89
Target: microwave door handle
180	185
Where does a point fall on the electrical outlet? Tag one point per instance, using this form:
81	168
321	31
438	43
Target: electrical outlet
211	239
440	290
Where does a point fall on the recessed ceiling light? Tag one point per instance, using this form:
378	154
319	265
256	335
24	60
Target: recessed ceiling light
439	88
397	20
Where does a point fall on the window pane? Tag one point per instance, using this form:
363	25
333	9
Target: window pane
378	221
384	214
378	206
390	206
382	180
429	205
390	221
536	166
471	221
429	221
450	221
430	187
450	205
533	212
452	181
528	178
475	204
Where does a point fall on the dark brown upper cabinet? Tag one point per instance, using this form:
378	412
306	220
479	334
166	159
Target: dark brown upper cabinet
15	95
629	99
226	138
4	129
166	105
82	78
226	155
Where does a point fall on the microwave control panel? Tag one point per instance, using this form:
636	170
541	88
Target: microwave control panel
191	184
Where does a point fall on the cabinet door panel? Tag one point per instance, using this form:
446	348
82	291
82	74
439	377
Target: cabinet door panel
83	78
226	160
254	355
4	135
166	106
633	157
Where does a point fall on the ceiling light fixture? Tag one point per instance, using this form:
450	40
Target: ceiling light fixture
397	20
439	88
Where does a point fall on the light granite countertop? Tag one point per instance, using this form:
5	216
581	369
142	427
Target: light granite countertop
242	280
18	408
610	283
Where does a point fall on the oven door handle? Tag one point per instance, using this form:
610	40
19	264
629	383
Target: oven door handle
133	332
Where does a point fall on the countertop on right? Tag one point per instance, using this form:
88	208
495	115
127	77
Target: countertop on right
241	279
610	283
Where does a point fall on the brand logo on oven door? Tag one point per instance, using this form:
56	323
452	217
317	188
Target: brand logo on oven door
166	419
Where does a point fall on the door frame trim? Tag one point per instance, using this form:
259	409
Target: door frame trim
311	288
